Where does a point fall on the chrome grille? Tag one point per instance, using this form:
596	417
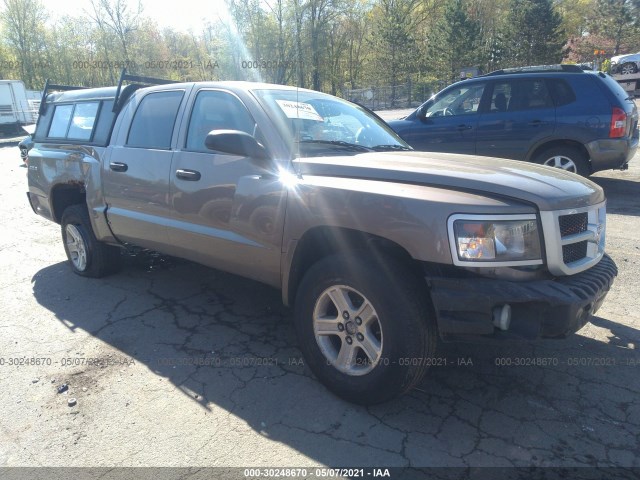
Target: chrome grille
574	239
574	252
572	224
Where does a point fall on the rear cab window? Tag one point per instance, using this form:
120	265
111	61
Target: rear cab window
74	121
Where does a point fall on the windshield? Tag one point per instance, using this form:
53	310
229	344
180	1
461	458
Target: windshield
316	124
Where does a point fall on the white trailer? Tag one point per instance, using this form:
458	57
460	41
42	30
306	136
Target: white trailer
18	106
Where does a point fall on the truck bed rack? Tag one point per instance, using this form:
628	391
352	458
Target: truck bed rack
138	80
50	87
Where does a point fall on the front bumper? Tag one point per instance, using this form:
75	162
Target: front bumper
542	308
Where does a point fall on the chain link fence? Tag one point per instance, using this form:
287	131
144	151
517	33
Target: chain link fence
406	95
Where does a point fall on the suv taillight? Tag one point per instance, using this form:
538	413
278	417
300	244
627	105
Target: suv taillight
618	123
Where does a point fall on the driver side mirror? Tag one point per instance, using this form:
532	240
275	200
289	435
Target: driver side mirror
235	142
421	112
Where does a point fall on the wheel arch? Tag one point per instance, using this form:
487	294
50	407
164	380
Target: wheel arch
321	241
565	142
65	195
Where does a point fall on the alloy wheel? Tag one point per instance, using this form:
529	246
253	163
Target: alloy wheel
347	330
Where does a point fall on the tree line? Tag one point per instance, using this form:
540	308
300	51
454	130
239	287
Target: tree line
327	45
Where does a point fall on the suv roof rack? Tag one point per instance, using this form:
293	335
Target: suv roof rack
537	69
49	87
137	80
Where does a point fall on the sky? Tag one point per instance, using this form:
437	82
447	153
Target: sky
181	15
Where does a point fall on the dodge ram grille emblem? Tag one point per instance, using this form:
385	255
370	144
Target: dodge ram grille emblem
597	230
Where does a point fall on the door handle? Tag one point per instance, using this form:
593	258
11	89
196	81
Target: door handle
464	127
118	166
536	123
190	175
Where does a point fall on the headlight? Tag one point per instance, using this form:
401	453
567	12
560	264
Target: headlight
506	240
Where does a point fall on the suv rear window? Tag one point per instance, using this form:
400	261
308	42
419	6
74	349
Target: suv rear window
520	94
74	121
615	87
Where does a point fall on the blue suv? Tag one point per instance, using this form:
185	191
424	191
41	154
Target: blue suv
559	115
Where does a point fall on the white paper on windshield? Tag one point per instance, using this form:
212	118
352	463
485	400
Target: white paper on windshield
300	110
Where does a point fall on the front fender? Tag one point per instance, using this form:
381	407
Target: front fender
411	216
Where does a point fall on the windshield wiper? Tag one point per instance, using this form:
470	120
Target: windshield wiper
340	143
382	148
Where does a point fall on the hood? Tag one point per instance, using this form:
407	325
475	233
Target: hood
548	188
400	122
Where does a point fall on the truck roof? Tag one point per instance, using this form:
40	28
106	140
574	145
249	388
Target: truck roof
82	94
110	92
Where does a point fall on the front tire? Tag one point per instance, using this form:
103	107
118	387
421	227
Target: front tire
364	327
565	158
87	256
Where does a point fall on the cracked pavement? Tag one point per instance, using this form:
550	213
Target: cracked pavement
175	364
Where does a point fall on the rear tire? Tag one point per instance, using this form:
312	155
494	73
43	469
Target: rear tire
380	348
87	256
565	158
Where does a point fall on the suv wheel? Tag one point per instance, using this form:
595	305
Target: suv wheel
628	68
566	158
88	257
365	330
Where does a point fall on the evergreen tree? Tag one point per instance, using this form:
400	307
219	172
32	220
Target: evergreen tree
534	34
456	44
394	45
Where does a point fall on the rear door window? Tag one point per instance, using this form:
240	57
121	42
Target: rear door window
561	92
529	94
154	120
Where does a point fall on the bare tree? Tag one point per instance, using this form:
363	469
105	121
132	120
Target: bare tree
118	17
320	14
23	31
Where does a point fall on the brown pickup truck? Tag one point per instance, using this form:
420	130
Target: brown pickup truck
381	251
